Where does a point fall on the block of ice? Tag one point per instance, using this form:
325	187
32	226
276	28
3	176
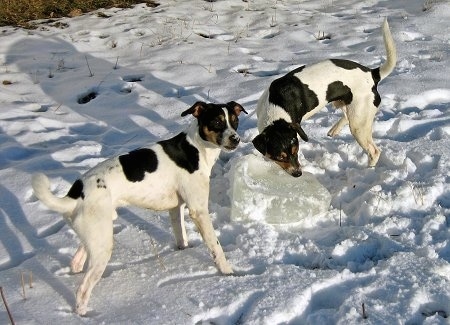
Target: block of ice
261	191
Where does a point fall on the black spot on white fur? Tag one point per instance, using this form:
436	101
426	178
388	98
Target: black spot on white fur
376	79
101	183
350	65
136	163
184	154
294	96
76	191
337	91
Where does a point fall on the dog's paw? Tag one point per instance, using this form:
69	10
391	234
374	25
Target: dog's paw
374	155
334	131
182	244
225	268
81	309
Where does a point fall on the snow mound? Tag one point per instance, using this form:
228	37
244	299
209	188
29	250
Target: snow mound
262	191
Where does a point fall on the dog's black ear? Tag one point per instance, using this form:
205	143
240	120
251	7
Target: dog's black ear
236	107
195	109
299	130
260	143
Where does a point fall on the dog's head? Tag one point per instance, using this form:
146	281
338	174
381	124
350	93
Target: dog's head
279	143
217	123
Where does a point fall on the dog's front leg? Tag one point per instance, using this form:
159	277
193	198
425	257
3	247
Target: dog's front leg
205	227
178	226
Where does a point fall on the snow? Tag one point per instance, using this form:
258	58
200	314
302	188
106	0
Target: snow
384	241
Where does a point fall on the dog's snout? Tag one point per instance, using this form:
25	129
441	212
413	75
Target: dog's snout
296	173
235	139
231	141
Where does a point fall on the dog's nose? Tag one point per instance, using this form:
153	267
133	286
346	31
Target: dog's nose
235	139
297	173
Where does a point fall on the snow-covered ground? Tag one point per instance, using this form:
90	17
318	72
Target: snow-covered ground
79	90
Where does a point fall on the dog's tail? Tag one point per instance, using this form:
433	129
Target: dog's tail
391	51
41	187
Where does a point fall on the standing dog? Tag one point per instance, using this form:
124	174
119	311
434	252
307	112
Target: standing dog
164	176
304	91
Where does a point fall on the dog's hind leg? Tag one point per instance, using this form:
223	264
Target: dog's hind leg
96	266
99	255
335	129
95	229
178	226
78	260
360	122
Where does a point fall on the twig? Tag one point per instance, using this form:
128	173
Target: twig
417	193
274	19
57	108
87	62
23	286
115	66
103	80
36	79
30	283
6	306
378	195
160	261
364	315
322	37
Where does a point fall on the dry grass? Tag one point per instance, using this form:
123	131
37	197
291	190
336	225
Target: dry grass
21	12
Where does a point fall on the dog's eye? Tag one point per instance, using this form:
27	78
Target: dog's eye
218	124
283	157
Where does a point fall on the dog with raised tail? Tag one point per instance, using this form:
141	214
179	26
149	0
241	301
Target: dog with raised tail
165	176
302	92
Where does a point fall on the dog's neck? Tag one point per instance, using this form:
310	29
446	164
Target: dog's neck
270	113
208	152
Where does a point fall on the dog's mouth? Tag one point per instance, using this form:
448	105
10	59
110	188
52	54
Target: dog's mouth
230	147
295	173
288	168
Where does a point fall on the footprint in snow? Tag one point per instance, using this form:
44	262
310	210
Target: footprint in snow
87	97
133	78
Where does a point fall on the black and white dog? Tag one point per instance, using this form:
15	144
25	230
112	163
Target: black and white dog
164	176
304	91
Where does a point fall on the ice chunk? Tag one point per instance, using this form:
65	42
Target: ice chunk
261	191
